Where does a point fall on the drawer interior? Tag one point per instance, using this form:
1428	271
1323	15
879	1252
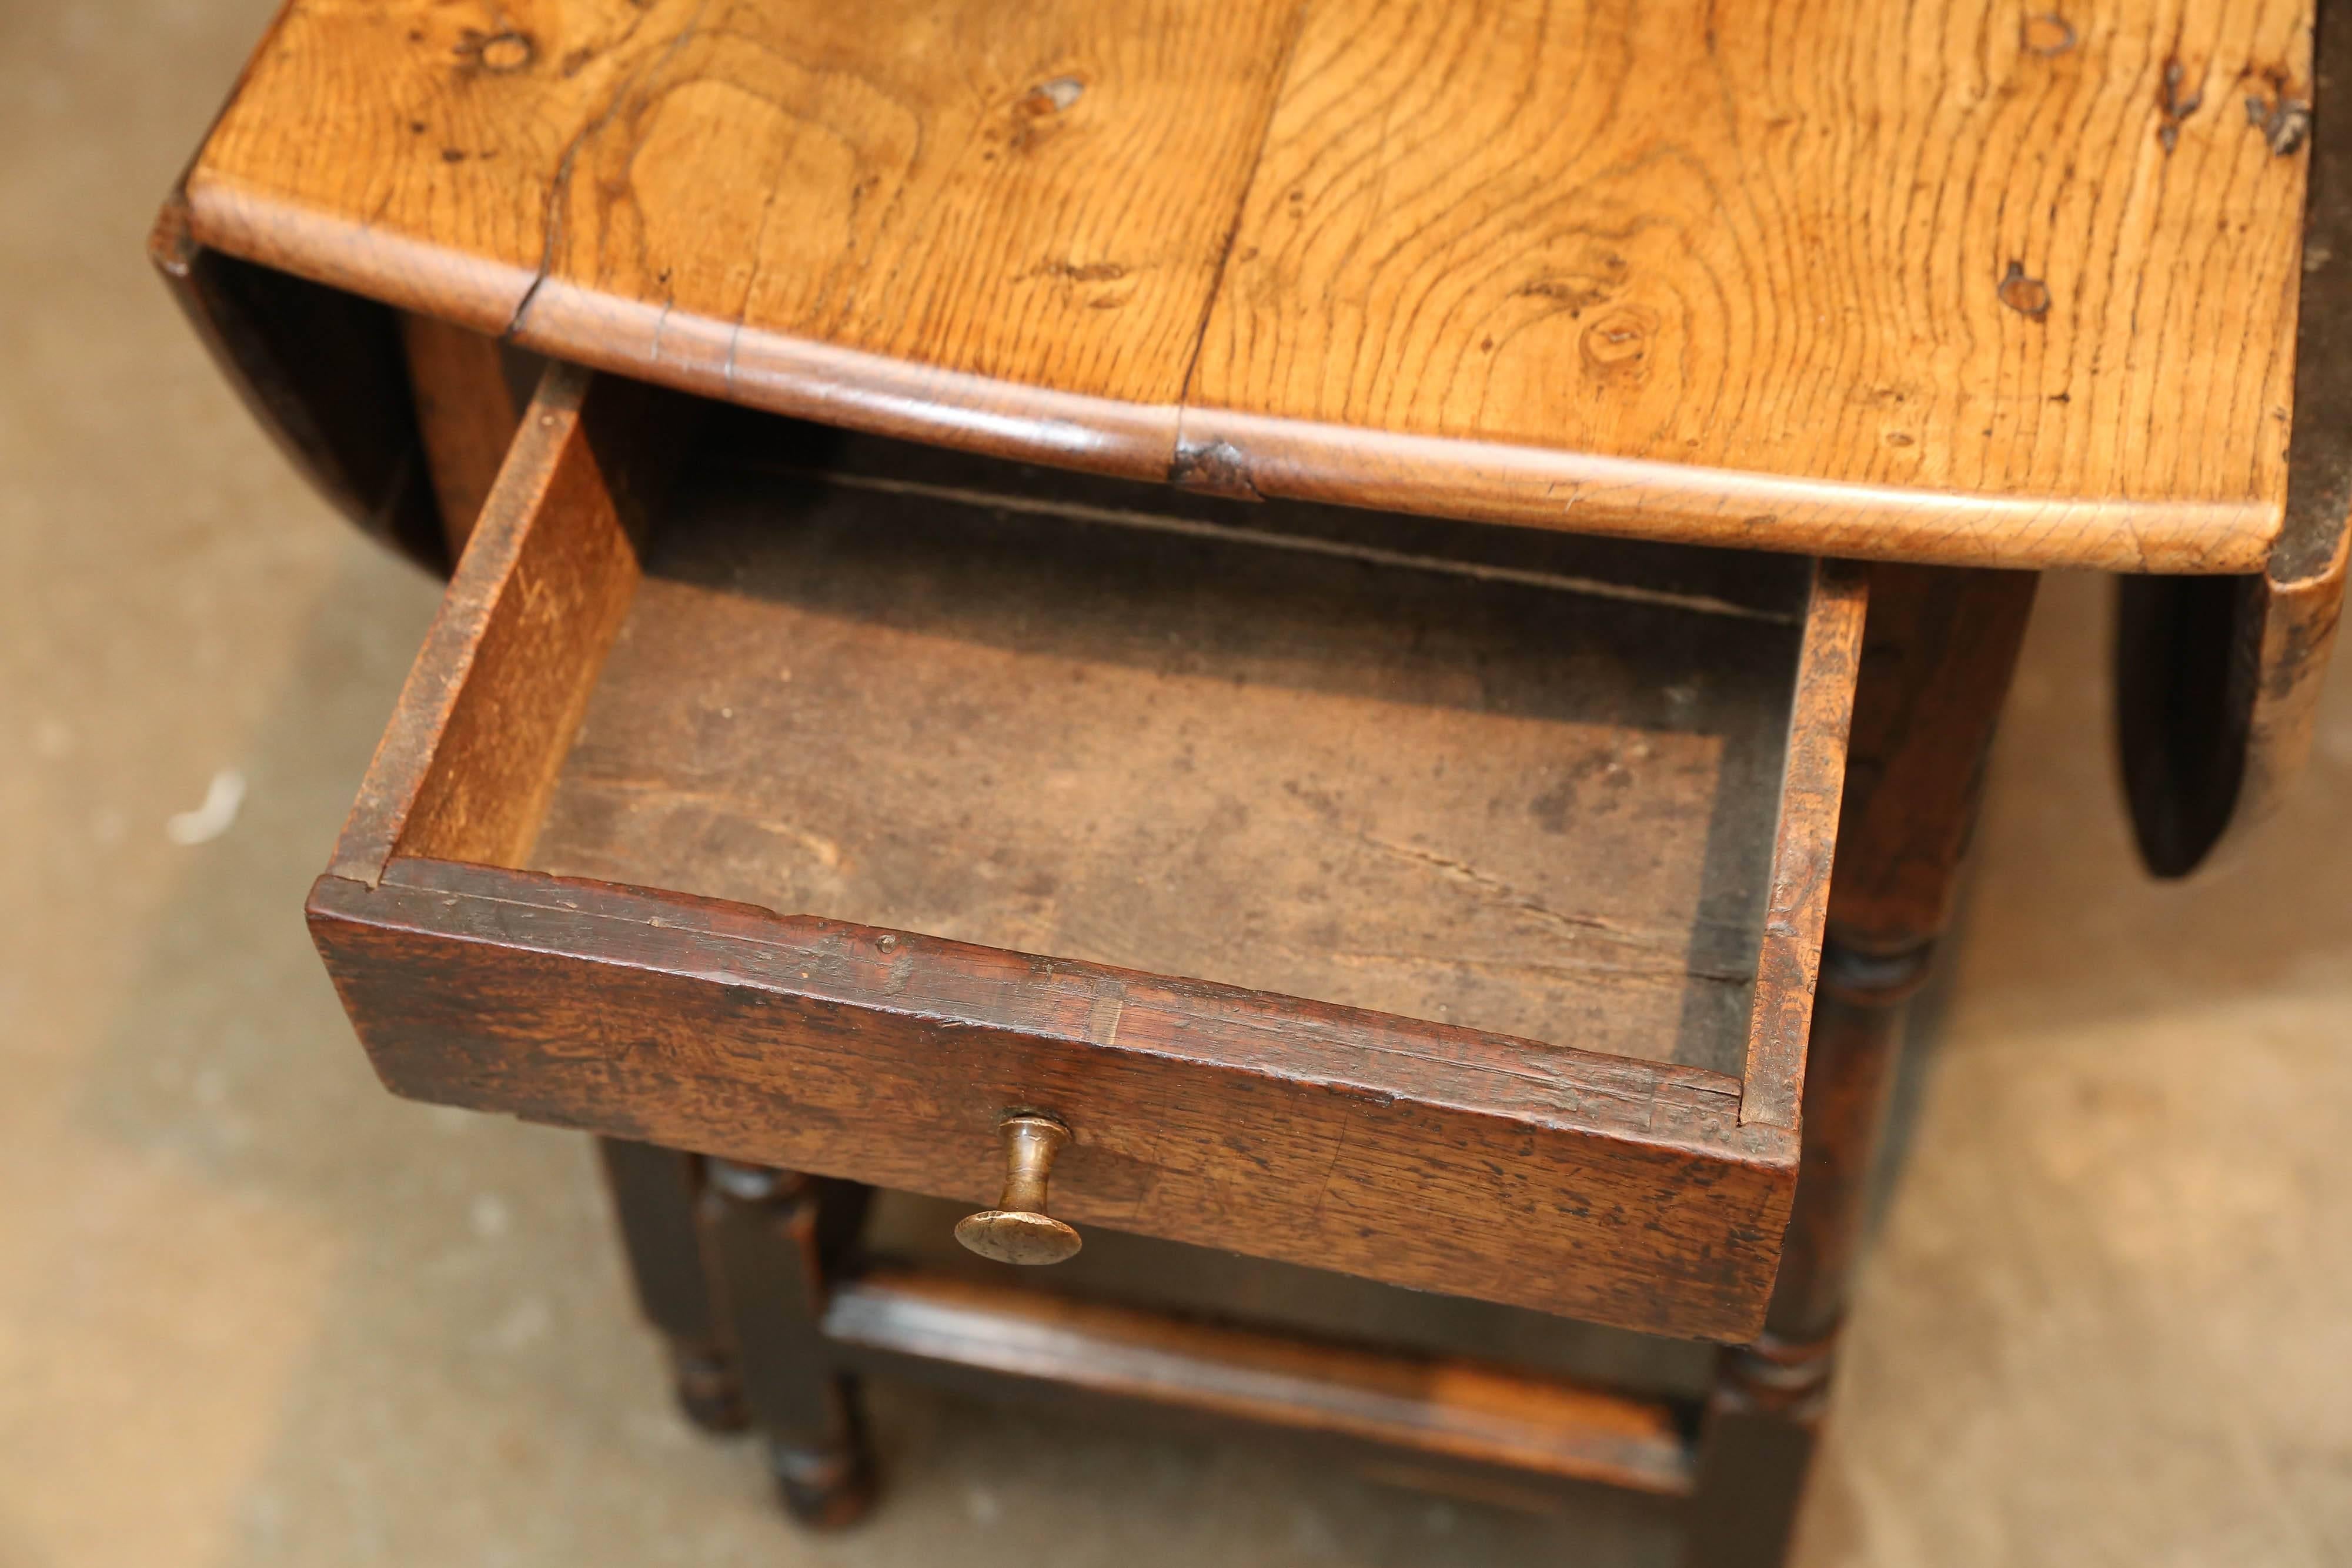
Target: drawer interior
1366	760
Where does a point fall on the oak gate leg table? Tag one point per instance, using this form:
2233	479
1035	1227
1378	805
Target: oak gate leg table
1258	625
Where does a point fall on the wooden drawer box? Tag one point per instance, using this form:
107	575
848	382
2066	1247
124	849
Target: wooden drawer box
1067	790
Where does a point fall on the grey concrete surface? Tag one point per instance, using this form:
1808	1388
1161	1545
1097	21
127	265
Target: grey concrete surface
254	1311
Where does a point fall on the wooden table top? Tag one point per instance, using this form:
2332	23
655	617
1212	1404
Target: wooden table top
1953	282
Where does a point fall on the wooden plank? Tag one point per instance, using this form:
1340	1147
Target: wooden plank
1848	277
999	221
1714	581
1908	280
1526	486
488	711
1623	1192
910	1231
1458	1410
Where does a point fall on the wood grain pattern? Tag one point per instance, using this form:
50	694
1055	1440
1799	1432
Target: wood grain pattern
1933	284
1623	1192
1764	1418
1634	1193
1460	1410
1773	239
904	203
1200	1283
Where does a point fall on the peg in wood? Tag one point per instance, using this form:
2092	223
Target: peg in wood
1018	1229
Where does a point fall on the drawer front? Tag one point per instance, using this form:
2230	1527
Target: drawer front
1411	1153
1648	1194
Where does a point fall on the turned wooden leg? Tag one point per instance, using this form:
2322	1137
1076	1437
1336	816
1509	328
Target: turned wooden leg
772	1236
1937	659
653	1196
1769	1397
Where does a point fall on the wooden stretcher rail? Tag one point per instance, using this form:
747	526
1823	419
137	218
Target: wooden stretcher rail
1444	1409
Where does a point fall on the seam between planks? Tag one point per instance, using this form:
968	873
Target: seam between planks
1217	289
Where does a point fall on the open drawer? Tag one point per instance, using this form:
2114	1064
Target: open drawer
1069	791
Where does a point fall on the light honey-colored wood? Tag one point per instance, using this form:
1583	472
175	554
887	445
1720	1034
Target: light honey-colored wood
1950	251
1958	283
893	215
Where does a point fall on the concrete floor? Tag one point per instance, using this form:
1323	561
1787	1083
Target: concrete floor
252	1311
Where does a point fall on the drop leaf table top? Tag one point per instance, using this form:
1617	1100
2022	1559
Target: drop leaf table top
1950	283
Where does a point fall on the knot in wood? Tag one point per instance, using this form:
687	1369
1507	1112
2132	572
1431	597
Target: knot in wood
2046	35
2028	296
1616	345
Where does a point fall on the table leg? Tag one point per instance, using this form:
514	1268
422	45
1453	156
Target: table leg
653	1196
775	1236
1937	659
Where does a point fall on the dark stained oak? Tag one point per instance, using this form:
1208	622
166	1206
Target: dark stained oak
1847	275
1622	1191
1508	866
1937	653
656	1192
1771	1396
1446	1409
775	1240
1812	778
905	1230
1936	665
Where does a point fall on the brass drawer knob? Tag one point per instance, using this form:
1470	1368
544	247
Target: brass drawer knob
1018	1229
